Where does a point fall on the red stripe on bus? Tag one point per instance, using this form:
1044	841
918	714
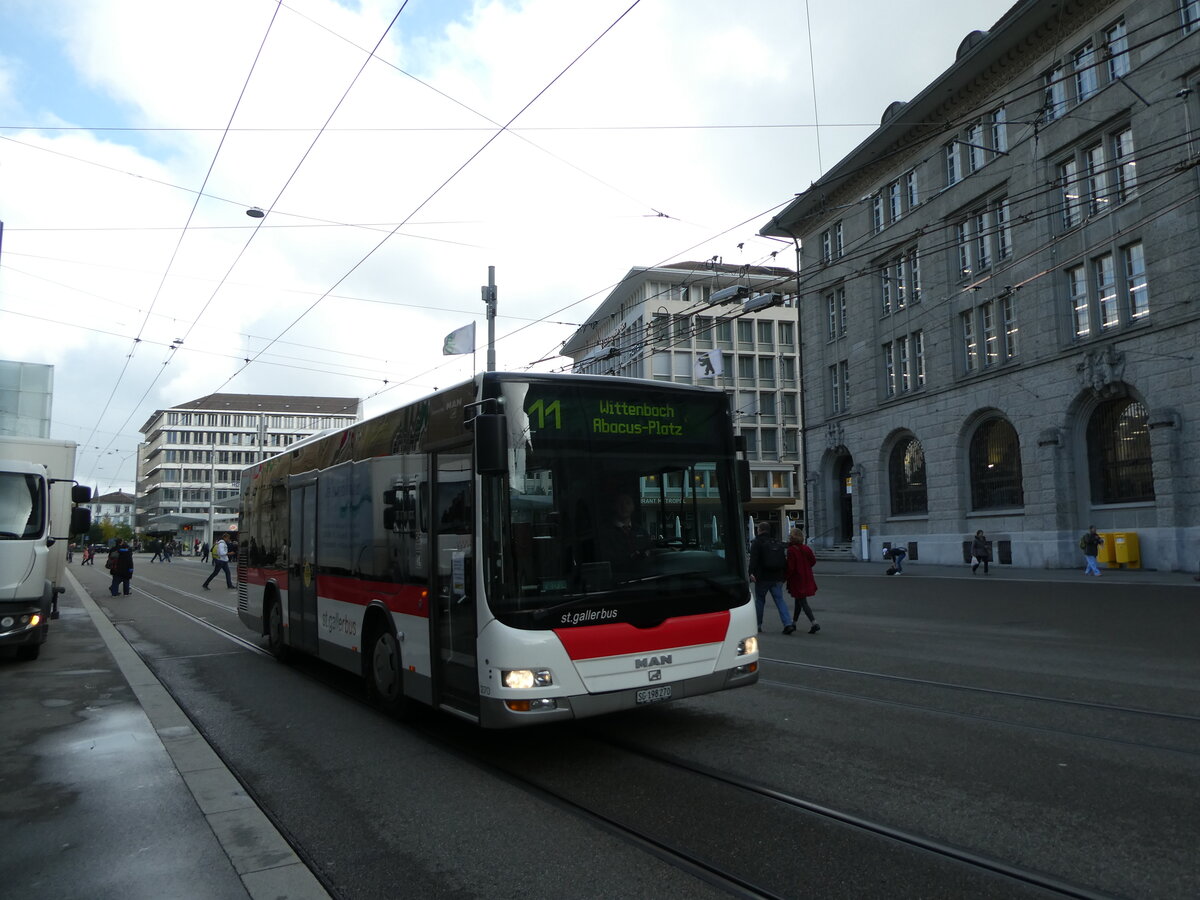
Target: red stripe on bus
261	576
621	638
410	599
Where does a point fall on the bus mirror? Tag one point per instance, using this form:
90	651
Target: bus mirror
743	477
739	443
491	444
389	519
80	494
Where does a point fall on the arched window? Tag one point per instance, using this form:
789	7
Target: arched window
906	472
995	459
1118	449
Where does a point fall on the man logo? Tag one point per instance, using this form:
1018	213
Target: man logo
656	675
647	661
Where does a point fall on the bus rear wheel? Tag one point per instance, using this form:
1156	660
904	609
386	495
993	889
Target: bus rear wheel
385	674
276	644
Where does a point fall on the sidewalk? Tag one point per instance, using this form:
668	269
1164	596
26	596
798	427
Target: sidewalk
1008	573
109	792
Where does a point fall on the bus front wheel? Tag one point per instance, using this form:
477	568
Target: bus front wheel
385	675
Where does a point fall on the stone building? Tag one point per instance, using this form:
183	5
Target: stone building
725	326
999	305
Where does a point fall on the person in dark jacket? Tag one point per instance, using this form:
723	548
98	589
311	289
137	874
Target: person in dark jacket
768	569
120	565
800	582
980	551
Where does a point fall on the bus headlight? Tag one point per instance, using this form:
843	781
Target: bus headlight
746	646
526	678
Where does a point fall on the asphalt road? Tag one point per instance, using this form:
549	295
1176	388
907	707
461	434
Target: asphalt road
1050	726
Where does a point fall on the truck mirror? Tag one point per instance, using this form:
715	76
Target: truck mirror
491	444
81	519
80	494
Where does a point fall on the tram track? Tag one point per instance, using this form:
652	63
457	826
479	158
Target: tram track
1186	746
728	874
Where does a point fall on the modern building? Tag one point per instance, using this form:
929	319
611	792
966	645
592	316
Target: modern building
26	397
190	464
708	323
999	305
118	507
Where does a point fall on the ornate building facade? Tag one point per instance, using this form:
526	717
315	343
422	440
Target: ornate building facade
999	301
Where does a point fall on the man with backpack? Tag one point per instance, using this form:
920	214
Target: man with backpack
768	569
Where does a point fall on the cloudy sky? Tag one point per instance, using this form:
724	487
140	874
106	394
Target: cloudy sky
135	134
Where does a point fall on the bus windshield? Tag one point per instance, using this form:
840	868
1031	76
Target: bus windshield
620	505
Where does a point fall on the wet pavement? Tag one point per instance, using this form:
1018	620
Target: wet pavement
108	790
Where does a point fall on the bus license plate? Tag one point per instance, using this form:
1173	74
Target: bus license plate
654	695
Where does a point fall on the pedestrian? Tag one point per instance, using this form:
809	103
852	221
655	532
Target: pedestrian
196	547
896	554
800	582
1090	545
981	551
204	548
166	551
156	549
120	566
768	570
220	559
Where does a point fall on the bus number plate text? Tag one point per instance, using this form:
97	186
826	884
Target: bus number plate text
654	695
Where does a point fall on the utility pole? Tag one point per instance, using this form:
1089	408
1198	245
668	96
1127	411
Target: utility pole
212	491
489	299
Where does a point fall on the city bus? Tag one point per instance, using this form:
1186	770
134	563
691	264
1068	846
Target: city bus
514	550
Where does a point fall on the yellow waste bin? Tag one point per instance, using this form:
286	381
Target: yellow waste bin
1107	552
1125	543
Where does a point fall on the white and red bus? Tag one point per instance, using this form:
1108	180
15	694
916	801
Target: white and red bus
467	551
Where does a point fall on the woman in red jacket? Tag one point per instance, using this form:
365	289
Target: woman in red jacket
800	582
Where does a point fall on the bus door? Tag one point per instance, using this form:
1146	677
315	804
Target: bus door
302	568
456	679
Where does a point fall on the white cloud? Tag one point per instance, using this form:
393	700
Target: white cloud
562	208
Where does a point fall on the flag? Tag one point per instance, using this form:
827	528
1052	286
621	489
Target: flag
460	341
709	364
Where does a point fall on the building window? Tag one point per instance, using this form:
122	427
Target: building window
746	369
745	333
877	213
1086	80
724	331
766	370
839	383
1116	43
999	130
904	364
970	345
899	284
1191	15
826	246
1008	311
906	476
787	334
683	329
787	369
984	238
1054	94
1113	291
704	333
1119	456
995	466
894	209
1068	181
975	148
1124	165
838	245
766	334
910	189
953	172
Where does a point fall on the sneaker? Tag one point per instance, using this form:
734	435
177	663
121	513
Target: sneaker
815	628
788	629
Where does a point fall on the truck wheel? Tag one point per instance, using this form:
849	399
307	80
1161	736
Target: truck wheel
29	651
385	674
276	645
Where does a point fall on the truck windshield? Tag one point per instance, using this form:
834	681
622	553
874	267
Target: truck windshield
617	507
22	506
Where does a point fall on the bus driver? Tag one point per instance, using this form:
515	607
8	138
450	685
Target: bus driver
626	544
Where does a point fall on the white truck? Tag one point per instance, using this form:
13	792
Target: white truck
38	517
